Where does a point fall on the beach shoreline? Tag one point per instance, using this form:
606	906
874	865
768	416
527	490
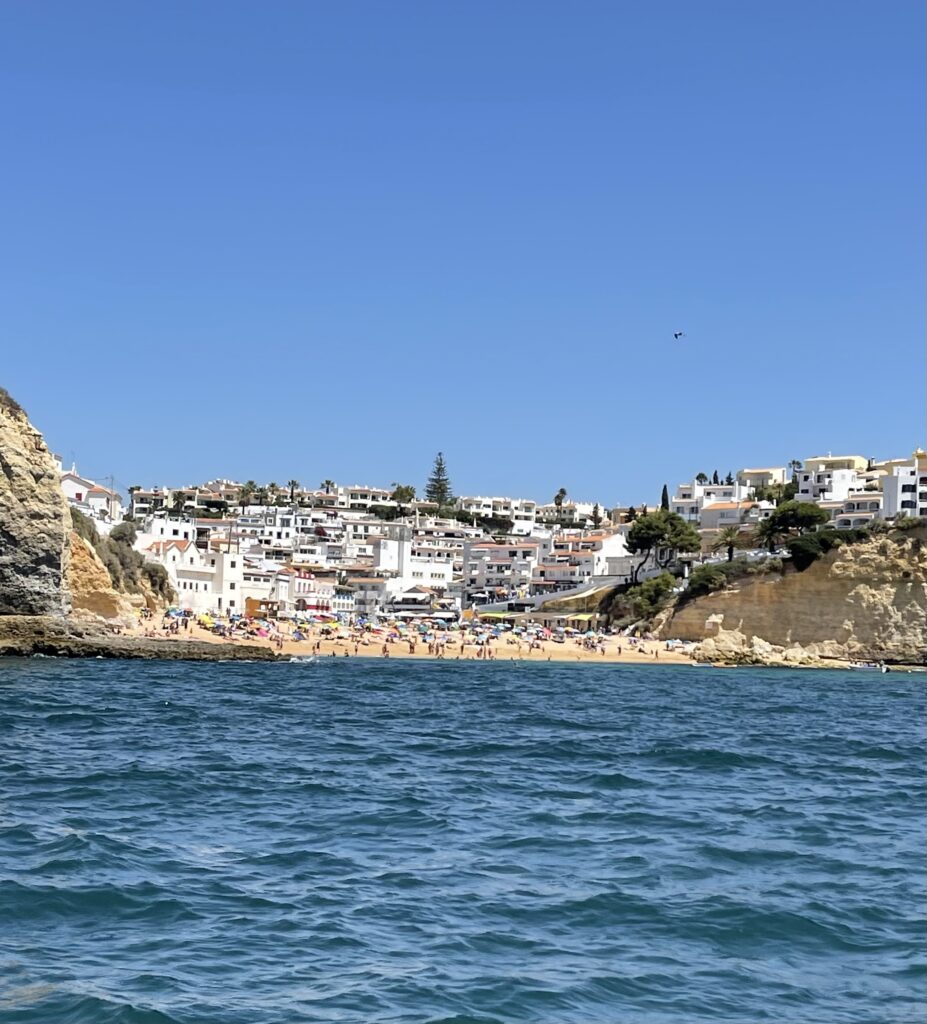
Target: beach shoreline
617	649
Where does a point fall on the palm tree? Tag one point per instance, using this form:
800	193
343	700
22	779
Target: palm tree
177	500
767	534
294	487
261	495
272	488
327	486
728	538
245	493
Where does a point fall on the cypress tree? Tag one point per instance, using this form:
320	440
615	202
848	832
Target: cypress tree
438	488
664	499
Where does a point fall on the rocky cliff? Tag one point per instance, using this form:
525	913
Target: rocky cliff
91	590
864	601
34	520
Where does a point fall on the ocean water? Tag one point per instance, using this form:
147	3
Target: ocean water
374	841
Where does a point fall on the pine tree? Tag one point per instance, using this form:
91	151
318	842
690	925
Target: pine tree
714	478
596	516
438	488
729	479
664	499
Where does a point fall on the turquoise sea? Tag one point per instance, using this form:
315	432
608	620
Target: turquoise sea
372	841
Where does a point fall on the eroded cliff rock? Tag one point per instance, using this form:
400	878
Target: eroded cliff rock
34	520
91	588
864	601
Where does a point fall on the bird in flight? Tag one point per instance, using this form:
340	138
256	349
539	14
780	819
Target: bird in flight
678	334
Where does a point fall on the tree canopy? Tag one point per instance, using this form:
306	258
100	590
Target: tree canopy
798	516
654	531
403	494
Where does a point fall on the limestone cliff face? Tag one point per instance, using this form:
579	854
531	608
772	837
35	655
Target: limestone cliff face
91	588
861	601
34	520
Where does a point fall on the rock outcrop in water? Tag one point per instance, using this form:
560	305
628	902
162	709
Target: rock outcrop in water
865	601
34	520
26	635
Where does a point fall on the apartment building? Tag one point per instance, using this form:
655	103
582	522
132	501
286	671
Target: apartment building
522	512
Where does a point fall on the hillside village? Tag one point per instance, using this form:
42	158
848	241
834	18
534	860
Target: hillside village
358	551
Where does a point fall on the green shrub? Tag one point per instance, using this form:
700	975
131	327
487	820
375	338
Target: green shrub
124	533
647	598
707	578
158	579
805	550
126	567
84	527
809	547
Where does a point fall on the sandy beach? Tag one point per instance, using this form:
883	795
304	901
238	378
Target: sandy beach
617	649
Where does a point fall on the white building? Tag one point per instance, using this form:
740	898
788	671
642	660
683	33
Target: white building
579	514
900	491
92	499
576	559
827	484
769	476
522	512
720	514
859	509
499	571
691	499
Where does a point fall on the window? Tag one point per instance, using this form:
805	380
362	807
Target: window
175	533
212	561
231	586
233	564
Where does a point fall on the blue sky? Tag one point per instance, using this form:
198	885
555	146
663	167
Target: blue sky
327	240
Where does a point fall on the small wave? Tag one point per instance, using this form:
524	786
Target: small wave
143	902
708	757
612	780
66	1008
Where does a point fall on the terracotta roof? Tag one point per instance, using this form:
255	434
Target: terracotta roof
729	504
161	546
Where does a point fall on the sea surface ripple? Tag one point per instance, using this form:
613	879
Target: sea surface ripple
366	841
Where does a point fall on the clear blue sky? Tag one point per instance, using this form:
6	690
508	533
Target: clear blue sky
327	239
